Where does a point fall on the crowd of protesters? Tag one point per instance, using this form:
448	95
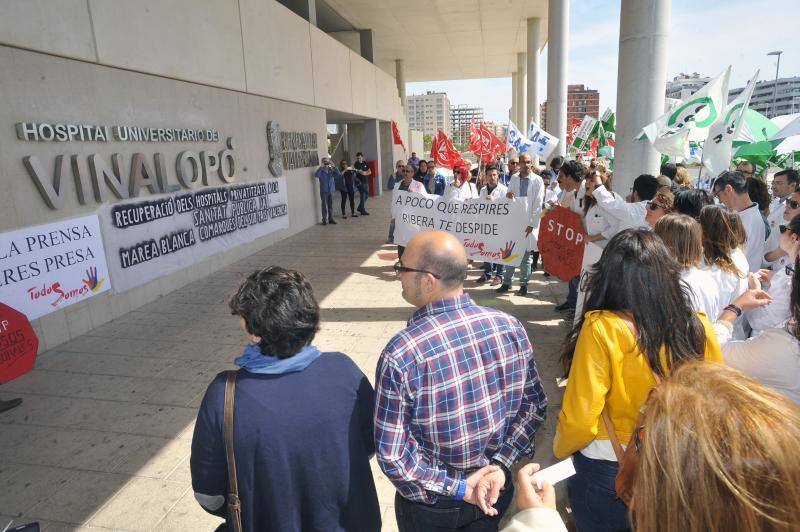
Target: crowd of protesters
680	411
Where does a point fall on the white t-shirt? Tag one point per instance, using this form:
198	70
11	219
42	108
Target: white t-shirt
705	295
729	285
466	191
777	312
755	230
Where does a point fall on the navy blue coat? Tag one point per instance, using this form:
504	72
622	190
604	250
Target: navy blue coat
302	442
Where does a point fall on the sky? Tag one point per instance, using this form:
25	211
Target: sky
705	37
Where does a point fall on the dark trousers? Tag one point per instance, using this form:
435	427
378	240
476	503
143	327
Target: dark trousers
449	515
345	195
327	205
593	497
572	295
363	192
489	267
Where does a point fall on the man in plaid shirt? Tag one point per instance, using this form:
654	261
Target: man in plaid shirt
458	397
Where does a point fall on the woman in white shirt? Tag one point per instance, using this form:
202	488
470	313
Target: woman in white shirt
600	227
780	282
460	188
684	238
772	357
723	236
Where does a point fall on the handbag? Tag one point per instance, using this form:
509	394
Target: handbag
628	458
234	504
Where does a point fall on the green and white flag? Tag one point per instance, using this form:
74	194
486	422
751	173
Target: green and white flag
609	121
690	120
719	143
584	133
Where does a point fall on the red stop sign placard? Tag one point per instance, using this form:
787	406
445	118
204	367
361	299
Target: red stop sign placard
561	242
18	344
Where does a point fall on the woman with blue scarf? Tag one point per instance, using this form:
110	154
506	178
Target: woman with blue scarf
302	420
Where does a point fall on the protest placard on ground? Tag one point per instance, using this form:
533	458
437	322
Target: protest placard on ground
561	242
491	231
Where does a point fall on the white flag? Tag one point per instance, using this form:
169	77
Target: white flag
517	140
690	120
543	142
719	143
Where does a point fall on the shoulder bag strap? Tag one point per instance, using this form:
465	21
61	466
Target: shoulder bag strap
234	505
612	433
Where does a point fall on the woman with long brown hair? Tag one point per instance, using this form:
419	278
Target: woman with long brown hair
715	452
638	326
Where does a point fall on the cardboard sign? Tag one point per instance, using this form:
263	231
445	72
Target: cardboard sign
18	344
561	242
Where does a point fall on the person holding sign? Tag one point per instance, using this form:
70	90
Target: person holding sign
492	190
461	188
528	188
408	184
571	179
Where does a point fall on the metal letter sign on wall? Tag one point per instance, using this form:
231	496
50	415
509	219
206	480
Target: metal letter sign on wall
274	143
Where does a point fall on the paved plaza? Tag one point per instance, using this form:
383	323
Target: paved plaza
102	440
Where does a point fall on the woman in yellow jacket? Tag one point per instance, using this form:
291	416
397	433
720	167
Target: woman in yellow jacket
638	323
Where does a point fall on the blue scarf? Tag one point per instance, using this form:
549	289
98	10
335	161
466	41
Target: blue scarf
254	361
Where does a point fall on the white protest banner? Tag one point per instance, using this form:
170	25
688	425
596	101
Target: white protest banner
152	238
543	142
491	231
51	266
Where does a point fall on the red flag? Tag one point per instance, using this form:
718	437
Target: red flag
485	144
572	129
444	153
593	148
396	134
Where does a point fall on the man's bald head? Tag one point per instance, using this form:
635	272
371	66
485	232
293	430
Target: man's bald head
441	253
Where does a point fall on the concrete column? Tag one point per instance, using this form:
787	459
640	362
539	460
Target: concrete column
522	83
312	12
400	78
372	149
366	45
532	94
641	78
512	115
557	54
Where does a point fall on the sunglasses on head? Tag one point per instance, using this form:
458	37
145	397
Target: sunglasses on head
792	204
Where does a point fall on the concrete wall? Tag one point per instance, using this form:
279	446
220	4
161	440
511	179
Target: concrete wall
255	46
43	88
230	65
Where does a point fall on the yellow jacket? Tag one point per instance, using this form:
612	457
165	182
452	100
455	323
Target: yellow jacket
608	368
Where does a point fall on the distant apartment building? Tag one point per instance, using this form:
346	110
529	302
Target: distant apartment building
787	98
429	112
684	85
460	118
499	130
581	101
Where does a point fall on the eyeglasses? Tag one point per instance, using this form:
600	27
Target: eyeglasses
653	206
456	172
513	162
407	171
792	204
399	268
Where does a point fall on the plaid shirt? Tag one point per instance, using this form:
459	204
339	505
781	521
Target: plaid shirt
455	389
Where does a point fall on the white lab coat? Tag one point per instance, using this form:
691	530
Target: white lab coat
499	192
532	201
628	215
466	191
754	228
780	288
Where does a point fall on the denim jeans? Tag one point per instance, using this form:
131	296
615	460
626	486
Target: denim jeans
524	269
572	296
593	498
363	192
327	205
489	267
449	515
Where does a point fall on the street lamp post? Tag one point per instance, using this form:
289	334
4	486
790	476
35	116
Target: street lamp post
775	88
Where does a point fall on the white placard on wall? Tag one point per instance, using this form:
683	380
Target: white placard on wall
47	267
147	239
